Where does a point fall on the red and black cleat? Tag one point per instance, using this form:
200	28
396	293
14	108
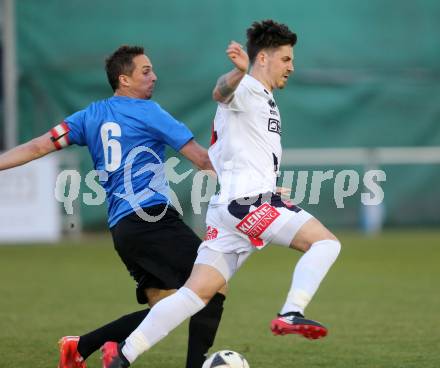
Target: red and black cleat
69	355
112	356
295	323
108	351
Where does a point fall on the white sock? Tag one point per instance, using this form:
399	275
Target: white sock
165	316
309	272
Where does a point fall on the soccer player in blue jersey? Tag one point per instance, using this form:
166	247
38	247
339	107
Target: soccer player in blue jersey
126	136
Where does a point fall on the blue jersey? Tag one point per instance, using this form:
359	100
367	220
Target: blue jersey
126	138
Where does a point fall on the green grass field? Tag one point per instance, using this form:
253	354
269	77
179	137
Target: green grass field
381	302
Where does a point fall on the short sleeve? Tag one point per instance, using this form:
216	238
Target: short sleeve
171	131
76	123
239	99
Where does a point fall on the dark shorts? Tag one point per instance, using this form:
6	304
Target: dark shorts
157	254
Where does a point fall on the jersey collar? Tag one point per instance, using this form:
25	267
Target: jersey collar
256	85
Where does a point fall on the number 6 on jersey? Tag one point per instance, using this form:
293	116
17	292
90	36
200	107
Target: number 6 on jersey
112	148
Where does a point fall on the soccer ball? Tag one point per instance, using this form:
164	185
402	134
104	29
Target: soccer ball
226	359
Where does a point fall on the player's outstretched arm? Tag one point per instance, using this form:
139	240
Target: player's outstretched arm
197	155
228	83
24	153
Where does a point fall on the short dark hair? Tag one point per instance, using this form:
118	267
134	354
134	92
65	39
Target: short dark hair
267	34
121	62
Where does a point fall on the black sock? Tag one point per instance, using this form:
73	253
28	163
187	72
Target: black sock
202	330
116	331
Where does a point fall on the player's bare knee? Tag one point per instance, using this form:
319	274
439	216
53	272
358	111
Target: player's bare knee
205	281
312	232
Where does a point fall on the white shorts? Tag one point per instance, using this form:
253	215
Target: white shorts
236	229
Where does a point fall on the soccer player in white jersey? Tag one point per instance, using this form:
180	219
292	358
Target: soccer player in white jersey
247	213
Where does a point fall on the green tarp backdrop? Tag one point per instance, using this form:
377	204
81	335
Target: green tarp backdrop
367	75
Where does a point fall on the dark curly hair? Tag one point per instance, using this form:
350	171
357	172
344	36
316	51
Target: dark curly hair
121	62
267	34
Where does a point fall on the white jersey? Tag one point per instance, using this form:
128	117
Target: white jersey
247	152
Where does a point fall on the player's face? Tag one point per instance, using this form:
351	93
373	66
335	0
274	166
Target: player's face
143	79
280	65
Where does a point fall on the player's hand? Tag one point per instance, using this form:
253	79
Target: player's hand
238	56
